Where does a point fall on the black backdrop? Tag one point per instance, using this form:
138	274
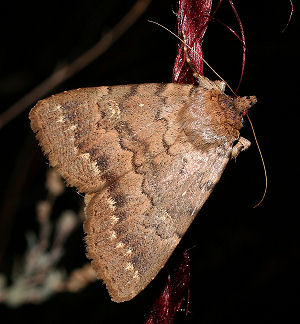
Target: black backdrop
244	260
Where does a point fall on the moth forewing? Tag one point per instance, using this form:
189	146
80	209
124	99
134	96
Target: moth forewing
147	156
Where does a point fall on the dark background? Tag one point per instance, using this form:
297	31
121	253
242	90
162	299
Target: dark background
244	260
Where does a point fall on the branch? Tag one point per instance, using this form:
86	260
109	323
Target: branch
77	65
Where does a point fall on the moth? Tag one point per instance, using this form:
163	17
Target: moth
147	156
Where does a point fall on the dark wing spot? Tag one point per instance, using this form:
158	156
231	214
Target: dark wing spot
120	200
99	124
102	163
136	260
79	133
109	177
123	128
121	215
128	239
208	185
69	116
133	91
182	171
157	115
139	263
69	105
111	181
93	152
192	90
180	235
120	230
160	88
101	109
159	92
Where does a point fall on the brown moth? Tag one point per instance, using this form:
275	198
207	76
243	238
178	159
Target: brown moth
147	157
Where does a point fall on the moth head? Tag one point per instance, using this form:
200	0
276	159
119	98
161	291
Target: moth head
242	104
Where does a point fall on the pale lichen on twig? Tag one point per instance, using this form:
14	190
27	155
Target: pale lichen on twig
36	276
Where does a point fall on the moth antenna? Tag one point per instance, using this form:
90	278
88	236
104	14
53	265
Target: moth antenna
187	57
263	163
187	46
217	74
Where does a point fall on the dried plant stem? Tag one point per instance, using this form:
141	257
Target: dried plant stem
36	276
77	65
78	279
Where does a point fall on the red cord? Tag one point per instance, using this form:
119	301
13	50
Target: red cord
193	17
175	292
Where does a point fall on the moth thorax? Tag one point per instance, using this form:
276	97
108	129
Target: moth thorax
211	121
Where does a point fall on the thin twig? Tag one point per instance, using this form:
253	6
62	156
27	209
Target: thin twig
77	65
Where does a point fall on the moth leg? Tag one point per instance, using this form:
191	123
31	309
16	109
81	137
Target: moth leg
241	145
